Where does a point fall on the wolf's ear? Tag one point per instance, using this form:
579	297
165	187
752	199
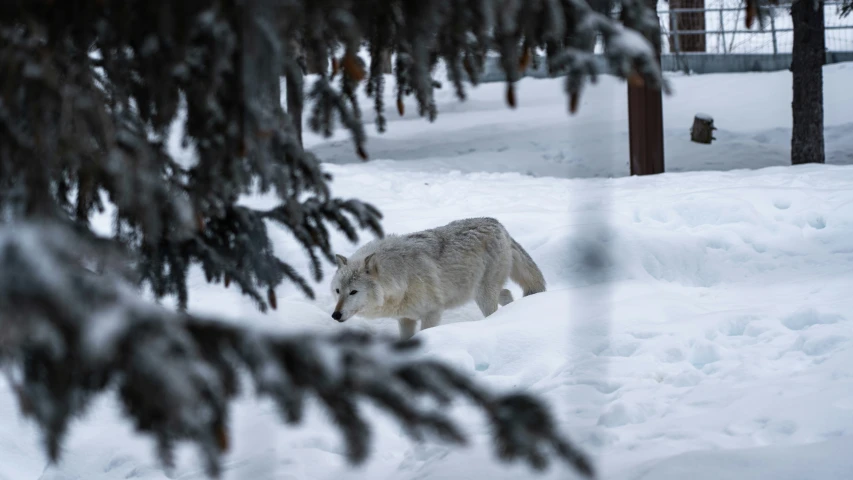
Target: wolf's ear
340	260
370	265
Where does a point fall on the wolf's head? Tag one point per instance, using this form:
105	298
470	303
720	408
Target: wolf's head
355	286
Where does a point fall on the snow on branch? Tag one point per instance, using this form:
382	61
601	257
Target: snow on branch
462	32
69	334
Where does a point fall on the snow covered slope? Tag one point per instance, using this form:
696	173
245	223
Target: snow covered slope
716	343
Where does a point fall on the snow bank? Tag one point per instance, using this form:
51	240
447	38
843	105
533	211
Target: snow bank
779	463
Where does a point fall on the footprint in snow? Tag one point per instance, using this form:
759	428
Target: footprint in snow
736	327
704	353
618	348
816	347
782	204
809	317
817	222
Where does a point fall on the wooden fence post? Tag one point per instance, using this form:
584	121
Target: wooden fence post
645	123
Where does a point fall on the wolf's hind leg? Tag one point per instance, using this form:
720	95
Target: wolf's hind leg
487	299
407	328
505	297
490	292
430	320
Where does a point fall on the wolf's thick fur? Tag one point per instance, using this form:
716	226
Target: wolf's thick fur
419	275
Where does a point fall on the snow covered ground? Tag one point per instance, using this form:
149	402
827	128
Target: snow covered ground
717	342
751	111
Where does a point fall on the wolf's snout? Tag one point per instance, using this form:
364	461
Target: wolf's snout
337	316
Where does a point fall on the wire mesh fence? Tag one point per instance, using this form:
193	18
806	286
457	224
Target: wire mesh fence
710	36
718	27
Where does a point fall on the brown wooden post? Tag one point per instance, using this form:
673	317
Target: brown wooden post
645	124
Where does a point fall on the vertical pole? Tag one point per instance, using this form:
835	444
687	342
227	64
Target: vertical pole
722	29
808	56
773	33
645	122
673	30
387	66
676	35
294	95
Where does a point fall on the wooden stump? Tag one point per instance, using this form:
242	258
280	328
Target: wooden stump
703	129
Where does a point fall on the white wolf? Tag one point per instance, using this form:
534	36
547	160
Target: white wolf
419	275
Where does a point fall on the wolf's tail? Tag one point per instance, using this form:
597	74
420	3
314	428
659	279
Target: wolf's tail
525	272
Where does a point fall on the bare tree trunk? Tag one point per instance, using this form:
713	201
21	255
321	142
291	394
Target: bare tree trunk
316	65
809	56
295	95
387	67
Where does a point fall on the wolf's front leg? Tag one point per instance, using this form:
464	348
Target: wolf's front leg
407	328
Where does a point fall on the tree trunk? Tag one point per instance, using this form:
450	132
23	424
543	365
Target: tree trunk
316	65
686	22
808	58
387	66
294	94
294	107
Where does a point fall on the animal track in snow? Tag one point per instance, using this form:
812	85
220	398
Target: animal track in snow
782	203
689	378
817	222
620	349
602	386
644	335
116	462
804	319
704	353
619	413
822	345
674	355
736	327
